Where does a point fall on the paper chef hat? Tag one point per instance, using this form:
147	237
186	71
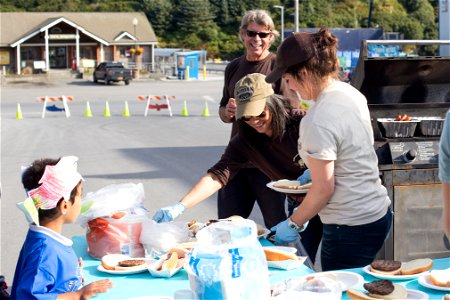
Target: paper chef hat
57	182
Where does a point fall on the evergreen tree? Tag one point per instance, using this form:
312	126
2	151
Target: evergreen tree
159	13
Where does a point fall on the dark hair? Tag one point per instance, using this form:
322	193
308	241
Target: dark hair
30	181
280	108
324	61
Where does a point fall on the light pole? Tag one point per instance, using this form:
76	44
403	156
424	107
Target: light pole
135	22
282	20
136	56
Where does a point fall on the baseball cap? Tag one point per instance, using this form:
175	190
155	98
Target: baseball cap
250	93
295	49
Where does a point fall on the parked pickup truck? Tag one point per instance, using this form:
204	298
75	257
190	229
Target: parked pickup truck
112	71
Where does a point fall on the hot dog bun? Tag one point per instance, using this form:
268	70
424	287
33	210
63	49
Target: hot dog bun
178	250
440	277
277	255
171	262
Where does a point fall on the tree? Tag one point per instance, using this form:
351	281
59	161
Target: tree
159	13
192	15
214	24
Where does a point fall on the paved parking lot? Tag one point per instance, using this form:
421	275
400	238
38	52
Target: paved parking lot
167	154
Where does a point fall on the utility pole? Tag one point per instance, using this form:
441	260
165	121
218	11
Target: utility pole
369	19
282	20
296	16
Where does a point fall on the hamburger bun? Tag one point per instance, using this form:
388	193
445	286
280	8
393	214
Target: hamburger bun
393	267
416	266
386	267
379	287
399	293
277	255
111	261
440	277
131	264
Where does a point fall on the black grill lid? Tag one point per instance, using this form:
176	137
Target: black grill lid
398	80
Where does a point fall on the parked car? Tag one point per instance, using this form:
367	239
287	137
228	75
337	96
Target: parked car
112	71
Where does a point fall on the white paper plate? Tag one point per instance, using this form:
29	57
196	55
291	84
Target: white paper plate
287	264
425	281
155	267
347	280
413	295
392	277
416	295
141	269
272	186
151	298
264	233
290	250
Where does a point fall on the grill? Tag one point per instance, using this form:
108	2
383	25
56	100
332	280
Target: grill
408	150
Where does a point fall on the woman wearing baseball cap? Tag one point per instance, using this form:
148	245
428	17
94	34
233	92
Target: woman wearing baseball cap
336	143
267	138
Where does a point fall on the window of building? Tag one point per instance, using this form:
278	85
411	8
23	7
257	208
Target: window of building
87	52
28	54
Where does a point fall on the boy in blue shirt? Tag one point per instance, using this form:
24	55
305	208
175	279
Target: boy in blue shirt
48	268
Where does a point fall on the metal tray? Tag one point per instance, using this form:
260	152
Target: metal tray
431	126
391	128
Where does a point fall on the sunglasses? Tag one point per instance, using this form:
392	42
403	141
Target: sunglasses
262	35
262	115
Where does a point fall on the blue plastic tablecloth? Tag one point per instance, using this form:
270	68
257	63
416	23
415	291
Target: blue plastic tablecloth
143	284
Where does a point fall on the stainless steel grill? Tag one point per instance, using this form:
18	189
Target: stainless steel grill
408	152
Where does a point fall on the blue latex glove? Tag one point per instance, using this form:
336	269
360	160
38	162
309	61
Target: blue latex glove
305	177
284	234
169	213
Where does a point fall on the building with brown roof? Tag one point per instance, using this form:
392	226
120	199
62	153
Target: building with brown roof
63	40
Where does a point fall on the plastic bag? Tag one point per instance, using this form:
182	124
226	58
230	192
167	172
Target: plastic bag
113	216
228	263
115	236
111	199
158	238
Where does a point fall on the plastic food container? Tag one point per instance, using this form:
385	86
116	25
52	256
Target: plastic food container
431	126
391	128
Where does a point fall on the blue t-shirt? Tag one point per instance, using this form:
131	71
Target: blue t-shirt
47	266
444	151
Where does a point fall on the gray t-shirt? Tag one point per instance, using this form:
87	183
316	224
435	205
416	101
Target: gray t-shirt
338	128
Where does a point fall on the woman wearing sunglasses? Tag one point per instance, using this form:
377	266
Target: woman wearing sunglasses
257	33
336	142
267	139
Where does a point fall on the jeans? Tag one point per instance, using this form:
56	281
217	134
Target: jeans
247	187
312	235
346	247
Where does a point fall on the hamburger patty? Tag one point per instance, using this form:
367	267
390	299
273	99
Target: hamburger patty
386	265
379	287
131	262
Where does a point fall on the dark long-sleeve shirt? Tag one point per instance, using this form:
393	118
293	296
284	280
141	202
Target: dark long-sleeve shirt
278	159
